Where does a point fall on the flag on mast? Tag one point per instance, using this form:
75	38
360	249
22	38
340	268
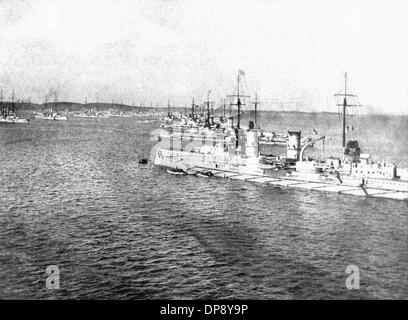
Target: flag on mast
241	72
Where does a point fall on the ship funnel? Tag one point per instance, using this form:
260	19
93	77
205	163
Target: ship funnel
252	146
230	123
293	149
352	150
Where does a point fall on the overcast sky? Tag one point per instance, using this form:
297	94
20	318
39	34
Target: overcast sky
293	52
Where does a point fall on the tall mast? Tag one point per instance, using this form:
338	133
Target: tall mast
55	101
239	105
12	103
224	108
344	111
256	106
168	108
192	109
208	106
345	105
1	103
239	96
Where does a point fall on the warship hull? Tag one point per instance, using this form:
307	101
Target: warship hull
225	166
14	120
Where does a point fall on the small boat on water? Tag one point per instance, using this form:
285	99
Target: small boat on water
205	174
143	161
176	171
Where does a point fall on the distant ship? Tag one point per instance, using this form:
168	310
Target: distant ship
90	113
232	152
8	113
51	113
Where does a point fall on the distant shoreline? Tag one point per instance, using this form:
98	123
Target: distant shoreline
74	107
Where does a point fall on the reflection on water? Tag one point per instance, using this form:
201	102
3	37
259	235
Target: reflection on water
73	195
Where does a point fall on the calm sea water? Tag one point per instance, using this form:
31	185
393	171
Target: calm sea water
72	194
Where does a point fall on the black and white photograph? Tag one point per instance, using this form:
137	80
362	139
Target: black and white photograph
203	150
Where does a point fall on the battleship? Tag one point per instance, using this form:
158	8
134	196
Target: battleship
8	112
92	111
224	150
50	113
88	113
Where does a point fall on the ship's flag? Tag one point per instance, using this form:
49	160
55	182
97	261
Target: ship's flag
315	131
241	72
